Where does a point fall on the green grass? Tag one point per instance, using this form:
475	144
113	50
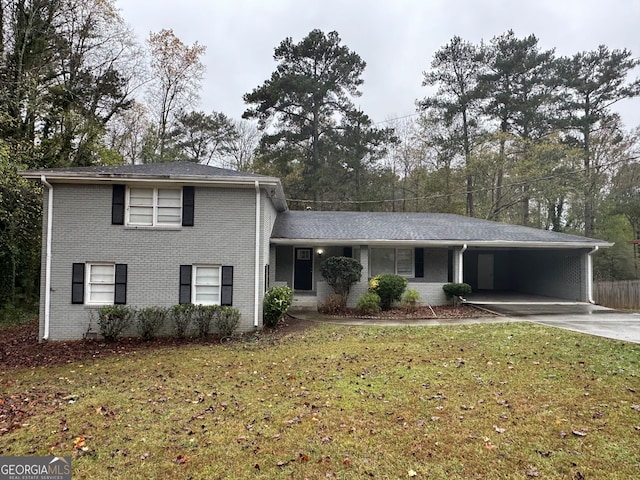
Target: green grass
488	401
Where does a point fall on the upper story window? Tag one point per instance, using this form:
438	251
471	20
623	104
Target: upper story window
154	206
398	261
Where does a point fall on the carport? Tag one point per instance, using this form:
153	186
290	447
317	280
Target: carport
529	275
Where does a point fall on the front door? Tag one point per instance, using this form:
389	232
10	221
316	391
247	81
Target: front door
303	269
485	271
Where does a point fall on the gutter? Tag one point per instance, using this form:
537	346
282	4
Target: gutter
47	268
256	292
590	274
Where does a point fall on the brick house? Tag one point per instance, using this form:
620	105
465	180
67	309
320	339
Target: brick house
169	233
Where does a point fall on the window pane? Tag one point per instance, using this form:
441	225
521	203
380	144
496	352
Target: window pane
141	215
141	197
169	215
102	274
405	261
209	295
207	276
169	198
101	293
382	261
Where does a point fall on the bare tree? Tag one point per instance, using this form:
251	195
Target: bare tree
177	73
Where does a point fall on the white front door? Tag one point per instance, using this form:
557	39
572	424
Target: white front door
485	271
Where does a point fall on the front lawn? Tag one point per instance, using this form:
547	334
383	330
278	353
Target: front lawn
485	401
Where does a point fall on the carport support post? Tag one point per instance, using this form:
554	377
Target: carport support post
589	282
458	264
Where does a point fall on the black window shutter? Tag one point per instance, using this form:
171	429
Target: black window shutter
347	252
77	283
418	258
266	277
226	294
188	195
120	297
117	205
185	284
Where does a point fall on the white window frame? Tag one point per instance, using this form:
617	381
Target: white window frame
156	209
195	285
88	283
395	260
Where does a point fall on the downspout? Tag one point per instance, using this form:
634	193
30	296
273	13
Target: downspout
460	263
590	275
47	261
256	293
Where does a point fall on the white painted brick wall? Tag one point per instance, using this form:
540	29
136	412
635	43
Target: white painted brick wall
224	234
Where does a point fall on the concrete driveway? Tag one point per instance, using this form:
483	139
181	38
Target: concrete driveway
580	317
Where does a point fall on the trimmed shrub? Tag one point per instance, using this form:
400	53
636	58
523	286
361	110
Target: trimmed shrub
333	304
411	299
341	273
150	321
202	316
181	319
226	321
455	290
113	319
369	303
389	288
277	301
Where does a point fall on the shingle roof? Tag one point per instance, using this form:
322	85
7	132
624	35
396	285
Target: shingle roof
148	170
314	226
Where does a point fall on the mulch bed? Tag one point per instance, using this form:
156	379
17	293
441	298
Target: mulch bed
19	347
422	312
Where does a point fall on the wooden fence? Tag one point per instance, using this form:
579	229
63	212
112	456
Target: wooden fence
625	295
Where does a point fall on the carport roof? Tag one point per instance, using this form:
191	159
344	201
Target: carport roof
335	228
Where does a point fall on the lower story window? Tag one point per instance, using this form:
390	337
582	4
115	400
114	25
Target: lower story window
398	261
206	285
101	283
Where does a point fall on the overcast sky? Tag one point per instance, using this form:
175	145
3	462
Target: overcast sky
396	38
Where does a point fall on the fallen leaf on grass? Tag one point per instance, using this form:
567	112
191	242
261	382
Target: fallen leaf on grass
498	429
636	407
412	473
79	443
181	459
579	433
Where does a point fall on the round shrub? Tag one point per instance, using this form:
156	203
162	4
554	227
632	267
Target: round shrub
340	273
181	316
226	321
277	301
113	319
369	303
390	289
150	321
202	316
452	290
